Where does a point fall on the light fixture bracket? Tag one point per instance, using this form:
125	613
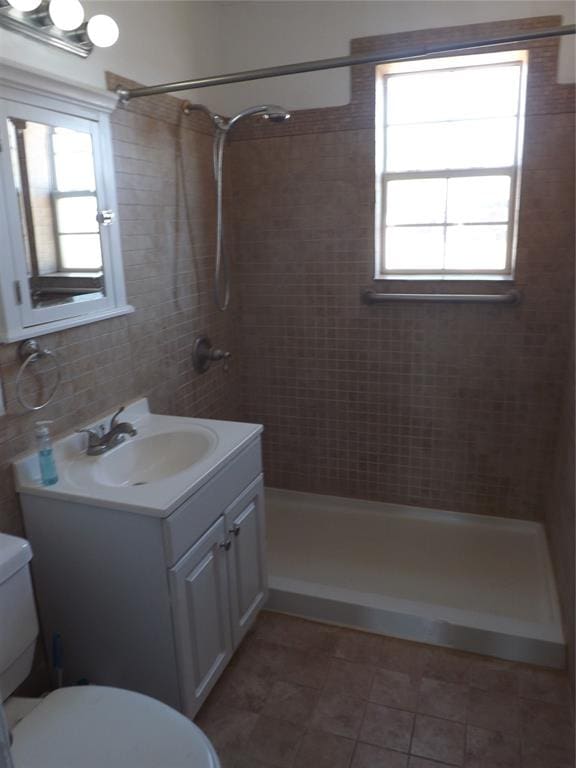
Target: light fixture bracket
37	26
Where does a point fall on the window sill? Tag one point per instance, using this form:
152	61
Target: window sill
55	326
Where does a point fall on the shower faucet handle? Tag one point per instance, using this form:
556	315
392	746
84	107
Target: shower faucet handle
203	354
219	354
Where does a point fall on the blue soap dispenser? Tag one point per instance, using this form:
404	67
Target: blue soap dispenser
48	473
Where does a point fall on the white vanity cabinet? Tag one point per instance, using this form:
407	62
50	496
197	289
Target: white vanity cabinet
155	603
246	562
218	587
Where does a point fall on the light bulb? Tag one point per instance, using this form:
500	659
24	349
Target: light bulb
66	14
102	30
24	5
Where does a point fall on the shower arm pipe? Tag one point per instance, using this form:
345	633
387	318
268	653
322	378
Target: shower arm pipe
125	94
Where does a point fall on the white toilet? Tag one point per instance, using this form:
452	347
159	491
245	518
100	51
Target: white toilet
85	726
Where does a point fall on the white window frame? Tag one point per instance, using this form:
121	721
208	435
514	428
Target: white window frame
474	61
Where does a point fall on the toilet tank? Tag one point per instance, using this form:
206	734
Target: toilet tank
18	620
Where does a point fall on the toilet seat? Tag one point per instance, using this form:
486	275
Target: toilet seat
98	727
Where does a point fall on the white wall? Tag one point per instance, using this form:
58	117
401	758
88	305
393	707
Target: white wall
261	34
162	40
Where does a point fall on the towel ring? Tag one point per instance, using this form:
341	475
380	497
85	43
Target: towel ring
30	352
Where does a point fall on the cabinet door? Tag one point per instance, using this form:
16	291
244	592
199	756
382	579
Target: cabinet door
247	564
199	583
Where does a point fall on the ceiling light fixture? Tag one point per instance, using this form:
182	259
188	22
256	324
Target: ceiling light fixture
66	15
24	6
102	30
60	23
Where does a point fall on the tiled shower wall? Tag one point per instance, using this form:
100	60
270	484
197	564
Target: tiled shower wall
561	513
168	258
448	406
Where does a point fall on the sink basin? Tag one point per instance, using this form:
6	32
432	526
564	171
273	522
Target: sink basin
151	473
147	459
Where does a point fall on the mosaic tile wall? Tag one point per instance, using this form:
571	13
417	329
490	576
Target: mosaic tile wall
561	514
168	259
447	406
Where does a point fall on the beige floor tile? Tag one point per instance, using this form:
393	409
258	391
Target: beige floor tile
350	678
545	685
369	756
547	724
324	750
274	741
338	713
402	656
489	749
387	727
445	664
493	675
360	647
539	756
293	703
494	711
441	699
296	633
395	689
437	739
305	668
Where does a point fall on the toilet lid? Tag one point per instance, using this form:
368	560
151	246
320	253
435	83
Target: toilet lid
97	727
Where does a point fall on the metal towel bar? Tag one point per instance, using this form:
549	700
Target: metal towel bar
510	297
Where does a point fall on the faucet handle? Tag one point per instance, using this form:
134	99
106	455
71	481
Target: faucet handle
93	436
114	419
219	354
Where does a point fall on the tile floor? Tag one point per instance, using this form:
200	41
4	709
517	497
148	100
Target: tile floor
301	694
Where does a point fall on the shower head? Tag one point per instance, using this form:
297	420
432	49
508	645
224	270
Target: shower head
270	112
276	117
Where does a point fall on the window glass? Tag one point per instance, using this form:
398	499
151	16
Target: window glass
459	144
77	214
476	247
453	95
79	252
478	198
416	201
449	144
420	248
73	160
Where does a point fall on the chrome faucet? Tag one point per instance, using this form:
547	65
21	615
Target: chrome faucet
100	441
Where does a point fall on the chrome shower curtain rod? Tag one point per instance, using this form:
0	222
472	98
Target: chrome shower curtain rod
125	94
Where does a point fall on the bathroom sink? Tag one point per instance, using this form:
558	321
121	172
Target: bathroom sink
143	460
151	473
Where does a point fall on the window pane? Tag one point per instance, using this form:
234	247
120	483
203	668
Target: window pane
67	140
80	251
418	201
476	247
418	248
73	160
480	198
467	144
76	214
453	95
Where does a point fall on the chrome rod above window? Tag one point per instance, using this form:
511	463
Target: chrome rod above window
125	94
510	297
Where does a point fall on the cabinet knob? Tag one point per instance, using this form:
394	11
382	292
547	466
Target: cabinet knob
235	529
226	545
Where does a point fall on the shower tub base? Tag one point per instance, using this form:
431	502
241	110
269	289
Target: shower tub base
477	583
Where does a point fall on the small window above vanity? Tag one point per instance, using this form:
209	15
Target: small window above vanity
61	262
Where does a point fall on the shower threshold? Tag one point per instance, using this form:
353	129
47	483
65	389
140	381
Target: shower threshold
474	582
